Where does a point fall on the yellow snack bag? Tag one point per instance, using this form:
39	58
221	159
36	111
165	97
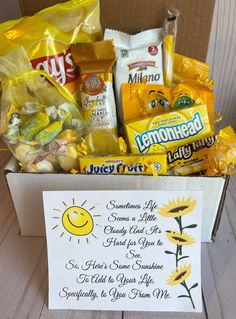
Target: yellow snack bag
186	95
140	99
189	158
168	130
191	71
46	37
151	164
7	25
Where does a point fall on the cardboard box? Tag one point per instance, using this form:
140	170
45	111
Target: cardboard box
128	16
26	192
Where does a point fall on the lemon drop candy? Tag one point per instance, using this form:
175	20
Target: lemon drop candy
69	136
41	167
34	125
25	153
70	158
49	133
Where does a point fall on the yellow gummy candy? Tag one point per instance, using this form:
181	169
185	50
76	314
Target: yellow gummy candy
49	133
34	125
102	142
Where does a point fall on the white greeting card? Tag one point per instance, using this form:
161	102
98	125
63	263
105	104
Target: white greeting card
124	250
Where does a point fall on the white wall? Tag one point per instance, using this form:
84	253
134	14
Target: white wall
222	58
221	53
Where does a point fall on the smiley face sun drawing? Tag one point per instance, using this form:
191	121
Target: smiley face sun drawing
77	221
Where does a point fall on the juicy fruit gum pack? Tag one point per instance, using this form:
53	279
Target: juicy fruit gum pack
126	164
46	37
139	99
154	133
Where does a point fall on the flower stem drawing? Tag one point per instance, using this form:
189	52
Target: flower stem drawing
176	209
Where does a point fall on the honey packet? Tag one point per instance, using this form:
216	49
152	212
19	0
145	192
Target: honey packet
95	61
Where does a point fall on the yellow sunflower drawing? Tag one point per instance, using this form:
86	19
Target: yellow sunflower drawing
179	275
177	238
178	207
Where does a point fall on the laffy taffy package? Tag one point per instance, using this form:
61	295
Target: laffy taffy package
127	165
39	119
189	158
47	35
95	61
140	99
168	130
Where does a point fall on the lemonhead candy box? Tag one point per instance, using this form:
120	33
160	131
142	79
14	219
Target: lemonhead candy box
155	164
164	131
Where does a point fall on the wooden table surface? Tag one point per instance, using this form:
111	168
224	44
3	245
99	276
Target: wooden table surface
23	270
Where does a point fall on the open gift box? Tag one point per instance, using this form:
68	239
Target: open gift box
26	191
192	40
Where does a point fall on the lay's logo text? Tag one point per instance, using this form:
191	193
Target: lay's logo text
61	67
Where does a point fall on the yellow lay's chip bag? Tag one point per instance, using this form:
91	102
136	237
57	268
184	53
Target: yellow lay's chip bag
164	131
46	37
7	25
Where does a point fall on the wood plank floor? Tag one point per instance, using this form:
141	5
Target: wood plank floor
23	270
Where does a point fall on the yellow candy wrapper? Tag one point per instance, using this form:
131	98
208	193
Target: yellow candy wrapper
189	158
221	159
140	100
46	37
168	130
125	165
189	70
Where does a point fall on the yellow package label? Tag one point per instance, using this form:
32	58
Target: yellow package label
47	36
189	158
127	165
168	130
